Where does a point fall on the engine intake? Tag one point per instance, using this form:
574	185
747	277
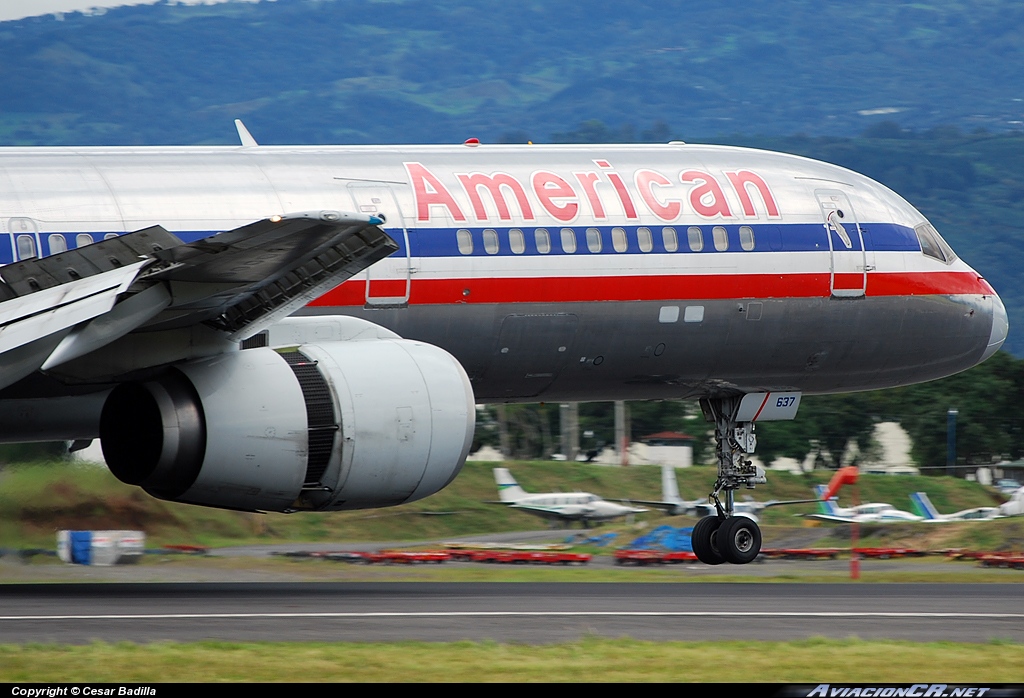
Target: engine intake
329	426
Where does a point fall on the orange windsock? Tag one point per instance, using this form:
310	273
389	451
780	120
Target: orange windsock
843	476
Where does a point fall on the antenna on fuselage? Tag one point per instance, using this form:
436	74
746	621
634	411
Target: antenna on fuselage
243	135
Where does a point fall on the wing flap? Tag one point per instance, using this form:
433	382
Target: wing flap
28	277
246	279
238	282
24	322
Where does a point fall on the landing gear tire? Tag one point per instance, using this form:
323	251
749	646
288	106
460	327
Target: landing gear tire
705	540
739	540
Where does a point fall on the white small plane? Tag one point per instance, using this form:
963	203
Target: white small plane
872	512
563	506
674	505
924	507
1014	506
671	503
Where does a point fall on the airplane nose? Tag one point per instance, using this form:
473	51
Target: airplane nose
1000	326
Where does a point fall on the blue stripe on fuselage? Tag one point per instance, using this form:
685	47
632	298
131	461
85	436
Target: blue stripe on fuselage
768	237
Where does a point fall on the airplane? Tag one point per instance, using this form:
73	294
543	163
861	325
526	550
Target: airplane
671	503
1013	506
872	512
308	328
562	506
674	505
929	514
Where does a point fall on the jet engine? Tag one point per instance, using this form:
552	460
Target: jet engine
325	426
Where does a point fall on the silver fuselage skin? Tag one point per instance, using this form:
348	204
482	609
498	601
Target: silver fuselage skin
569	273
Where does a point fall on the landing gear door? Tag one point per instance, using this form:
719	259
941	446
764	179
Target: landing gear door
849	268
389	281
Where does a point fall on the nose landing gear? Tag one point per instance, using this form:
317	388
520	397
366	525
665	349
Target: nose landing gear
728	537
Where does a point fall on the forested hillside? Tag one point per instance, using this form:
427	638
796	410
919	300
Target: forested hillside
925	97
360	71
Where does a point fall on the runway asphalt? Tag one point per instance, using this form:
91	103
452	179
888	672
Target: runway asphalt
519	612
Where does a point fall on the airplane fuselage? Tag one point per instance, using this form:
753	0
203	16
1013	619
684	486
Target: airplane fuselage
572	272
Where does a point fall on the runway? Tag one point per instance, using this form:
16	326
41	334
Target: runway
508	612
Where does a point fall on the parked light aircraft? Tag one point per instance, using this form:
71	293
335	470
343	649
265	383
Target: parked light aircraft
671	503
147	296
562	506
929	514
1014	506
872	512
674	505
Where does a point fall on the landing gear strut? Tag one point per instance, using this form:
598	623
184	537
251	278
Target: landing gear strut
728	537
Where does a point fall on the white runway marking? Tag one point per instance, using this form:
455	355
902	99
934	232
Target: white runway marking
523	614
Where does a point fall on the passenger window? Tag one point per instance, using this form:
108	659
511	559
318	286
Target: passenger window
58	244
670	239
465	240
26	247
594	240
516	241
543	240
644	239
568	240
695	238
83	239
746	238
619	242
721	238
109	236
491	241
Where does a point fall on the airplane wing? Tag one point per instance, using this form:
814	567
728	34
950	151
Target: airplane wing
59	308
557	512
644	502
778	503
689	507
828	517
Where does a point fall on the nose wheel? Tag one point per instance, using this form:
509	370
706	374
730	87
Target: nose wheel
705	540
736	540
739	540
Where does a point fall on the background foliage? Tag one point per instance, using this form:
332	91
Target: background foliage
926	97
990	424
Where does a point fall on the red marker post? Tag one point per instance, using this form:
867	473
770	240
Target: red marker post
848	476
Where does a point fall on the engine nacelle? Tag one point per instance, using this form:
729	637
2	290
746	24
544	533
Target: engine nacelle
330	426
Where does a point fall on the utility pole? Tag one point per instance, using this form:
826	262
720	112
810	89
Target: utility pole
951	441
569	420
504	442
622	432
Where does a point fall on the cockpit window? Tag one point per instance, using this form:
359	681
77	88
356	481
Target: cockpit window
932	244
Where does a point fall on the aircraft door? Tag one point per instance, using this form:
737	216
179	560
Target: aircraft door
389	281
24	238
849	269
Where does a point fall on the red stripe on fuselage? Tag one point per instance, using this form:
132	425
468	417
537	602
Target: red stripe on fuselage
588	289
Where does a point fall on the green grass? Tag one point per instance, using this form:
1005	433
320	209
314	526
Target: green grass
38	499
589	659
